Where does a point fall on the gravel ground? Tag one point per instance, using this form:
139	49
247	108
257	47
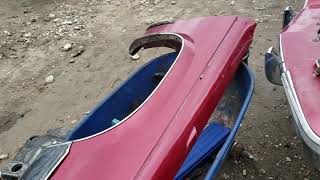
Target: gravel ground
58	59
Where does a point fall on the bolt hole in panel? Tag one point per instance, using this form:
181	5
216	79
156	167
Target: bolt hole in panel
16	168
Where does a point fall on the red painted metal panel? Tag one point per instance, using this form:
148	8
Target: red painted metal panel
301	47
153	142
312	3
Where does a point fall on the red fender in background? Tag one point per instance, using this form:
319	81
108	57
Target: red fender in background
154	141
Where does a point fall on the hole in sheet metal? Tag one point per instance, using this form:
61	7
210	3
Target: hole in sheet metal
16	168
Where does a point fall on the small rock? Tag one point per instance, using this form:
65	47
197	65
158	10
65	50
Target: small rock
51	16
232	3
157	2
244	172
173	2
287	117
61	30
135	57
56	20
142	2
76	28
259	20
27	34
49	79
262	171
33	19
288	159
67	47
90	35
72	61
73	121
67	22
4	156
7	33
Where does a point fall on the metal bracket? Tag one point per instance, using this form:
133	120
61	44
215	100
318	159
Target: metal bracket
38	157
288	15
273	66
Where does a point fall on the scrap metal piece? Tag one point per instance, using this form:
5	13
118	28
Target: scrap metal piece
160	23
273	66
239	151
288	15
38	158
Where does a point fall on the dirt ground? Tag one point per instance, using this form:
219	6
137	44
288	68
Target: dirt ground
32	36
